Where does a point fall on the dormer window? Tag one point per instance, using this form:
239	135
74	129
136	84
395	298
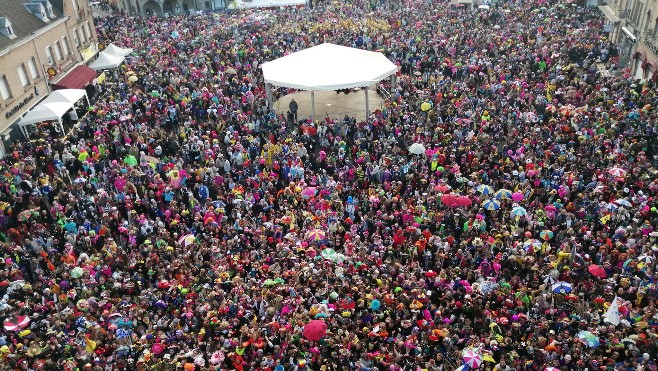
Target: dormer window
49	8
6	28
38	10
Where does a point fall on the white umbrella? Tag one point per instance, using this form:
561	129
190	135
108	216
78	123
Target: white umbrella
623	202
417	149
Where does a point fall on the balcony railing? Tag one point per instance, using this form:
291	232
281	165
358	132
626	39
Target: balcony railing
650	40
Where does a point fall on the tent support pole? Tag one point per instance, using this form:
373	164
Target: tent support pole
312	106
367	104
270	97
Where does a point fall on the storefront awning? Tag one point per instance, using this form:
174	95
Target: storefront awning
77	78
609	13
629	33
89	53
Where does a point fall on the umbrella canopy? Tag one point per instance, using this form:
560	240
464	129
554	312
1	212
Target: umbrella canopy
472	359
309	192
450	199
561	288
16	323
517	196
531	245
597	271
417	149
617	172
27	214
519	211
316	235
333	256
484	189
315	330
623	202
492	204
187	240
588	339
464	201
77	272
546	234
503	194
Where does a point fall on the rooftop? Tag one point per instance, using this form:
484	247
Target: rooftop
23	22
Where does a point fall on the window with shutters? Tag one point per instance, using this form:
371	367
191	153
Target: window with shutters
58	51
22	74
49	55
65	45
32	65
5	92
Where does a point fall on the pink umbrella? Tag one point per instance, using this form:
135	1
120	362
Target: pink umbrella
517	196
441	188
597	271
464	201
309	192
450	200
315	330
472	359
157	348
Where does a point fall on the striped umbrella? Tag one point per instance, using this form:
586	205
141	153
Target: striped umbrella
531	245
472	359
316	235
546	234
617	172
503	194
16	323
484	189
491	204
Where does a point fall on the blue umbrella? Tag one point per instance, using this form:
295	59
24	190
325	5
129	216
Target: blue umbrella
491	204
375	304
561	288
484	189
503	194
519	211
589	339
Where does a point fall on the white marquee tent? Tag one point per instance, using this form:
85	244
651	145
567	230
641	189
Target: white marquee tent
106	60
327	67
52	108
118	51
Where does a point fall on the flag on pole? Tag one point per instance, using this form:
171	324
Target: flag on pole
612	314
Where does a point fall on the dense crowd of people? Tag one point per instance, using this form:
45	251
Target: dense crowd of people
489	216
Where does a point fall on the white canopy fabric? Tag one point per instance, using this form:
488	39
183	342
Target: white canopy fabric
53	107
106	60
118	51
67	95
52	111
327	67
